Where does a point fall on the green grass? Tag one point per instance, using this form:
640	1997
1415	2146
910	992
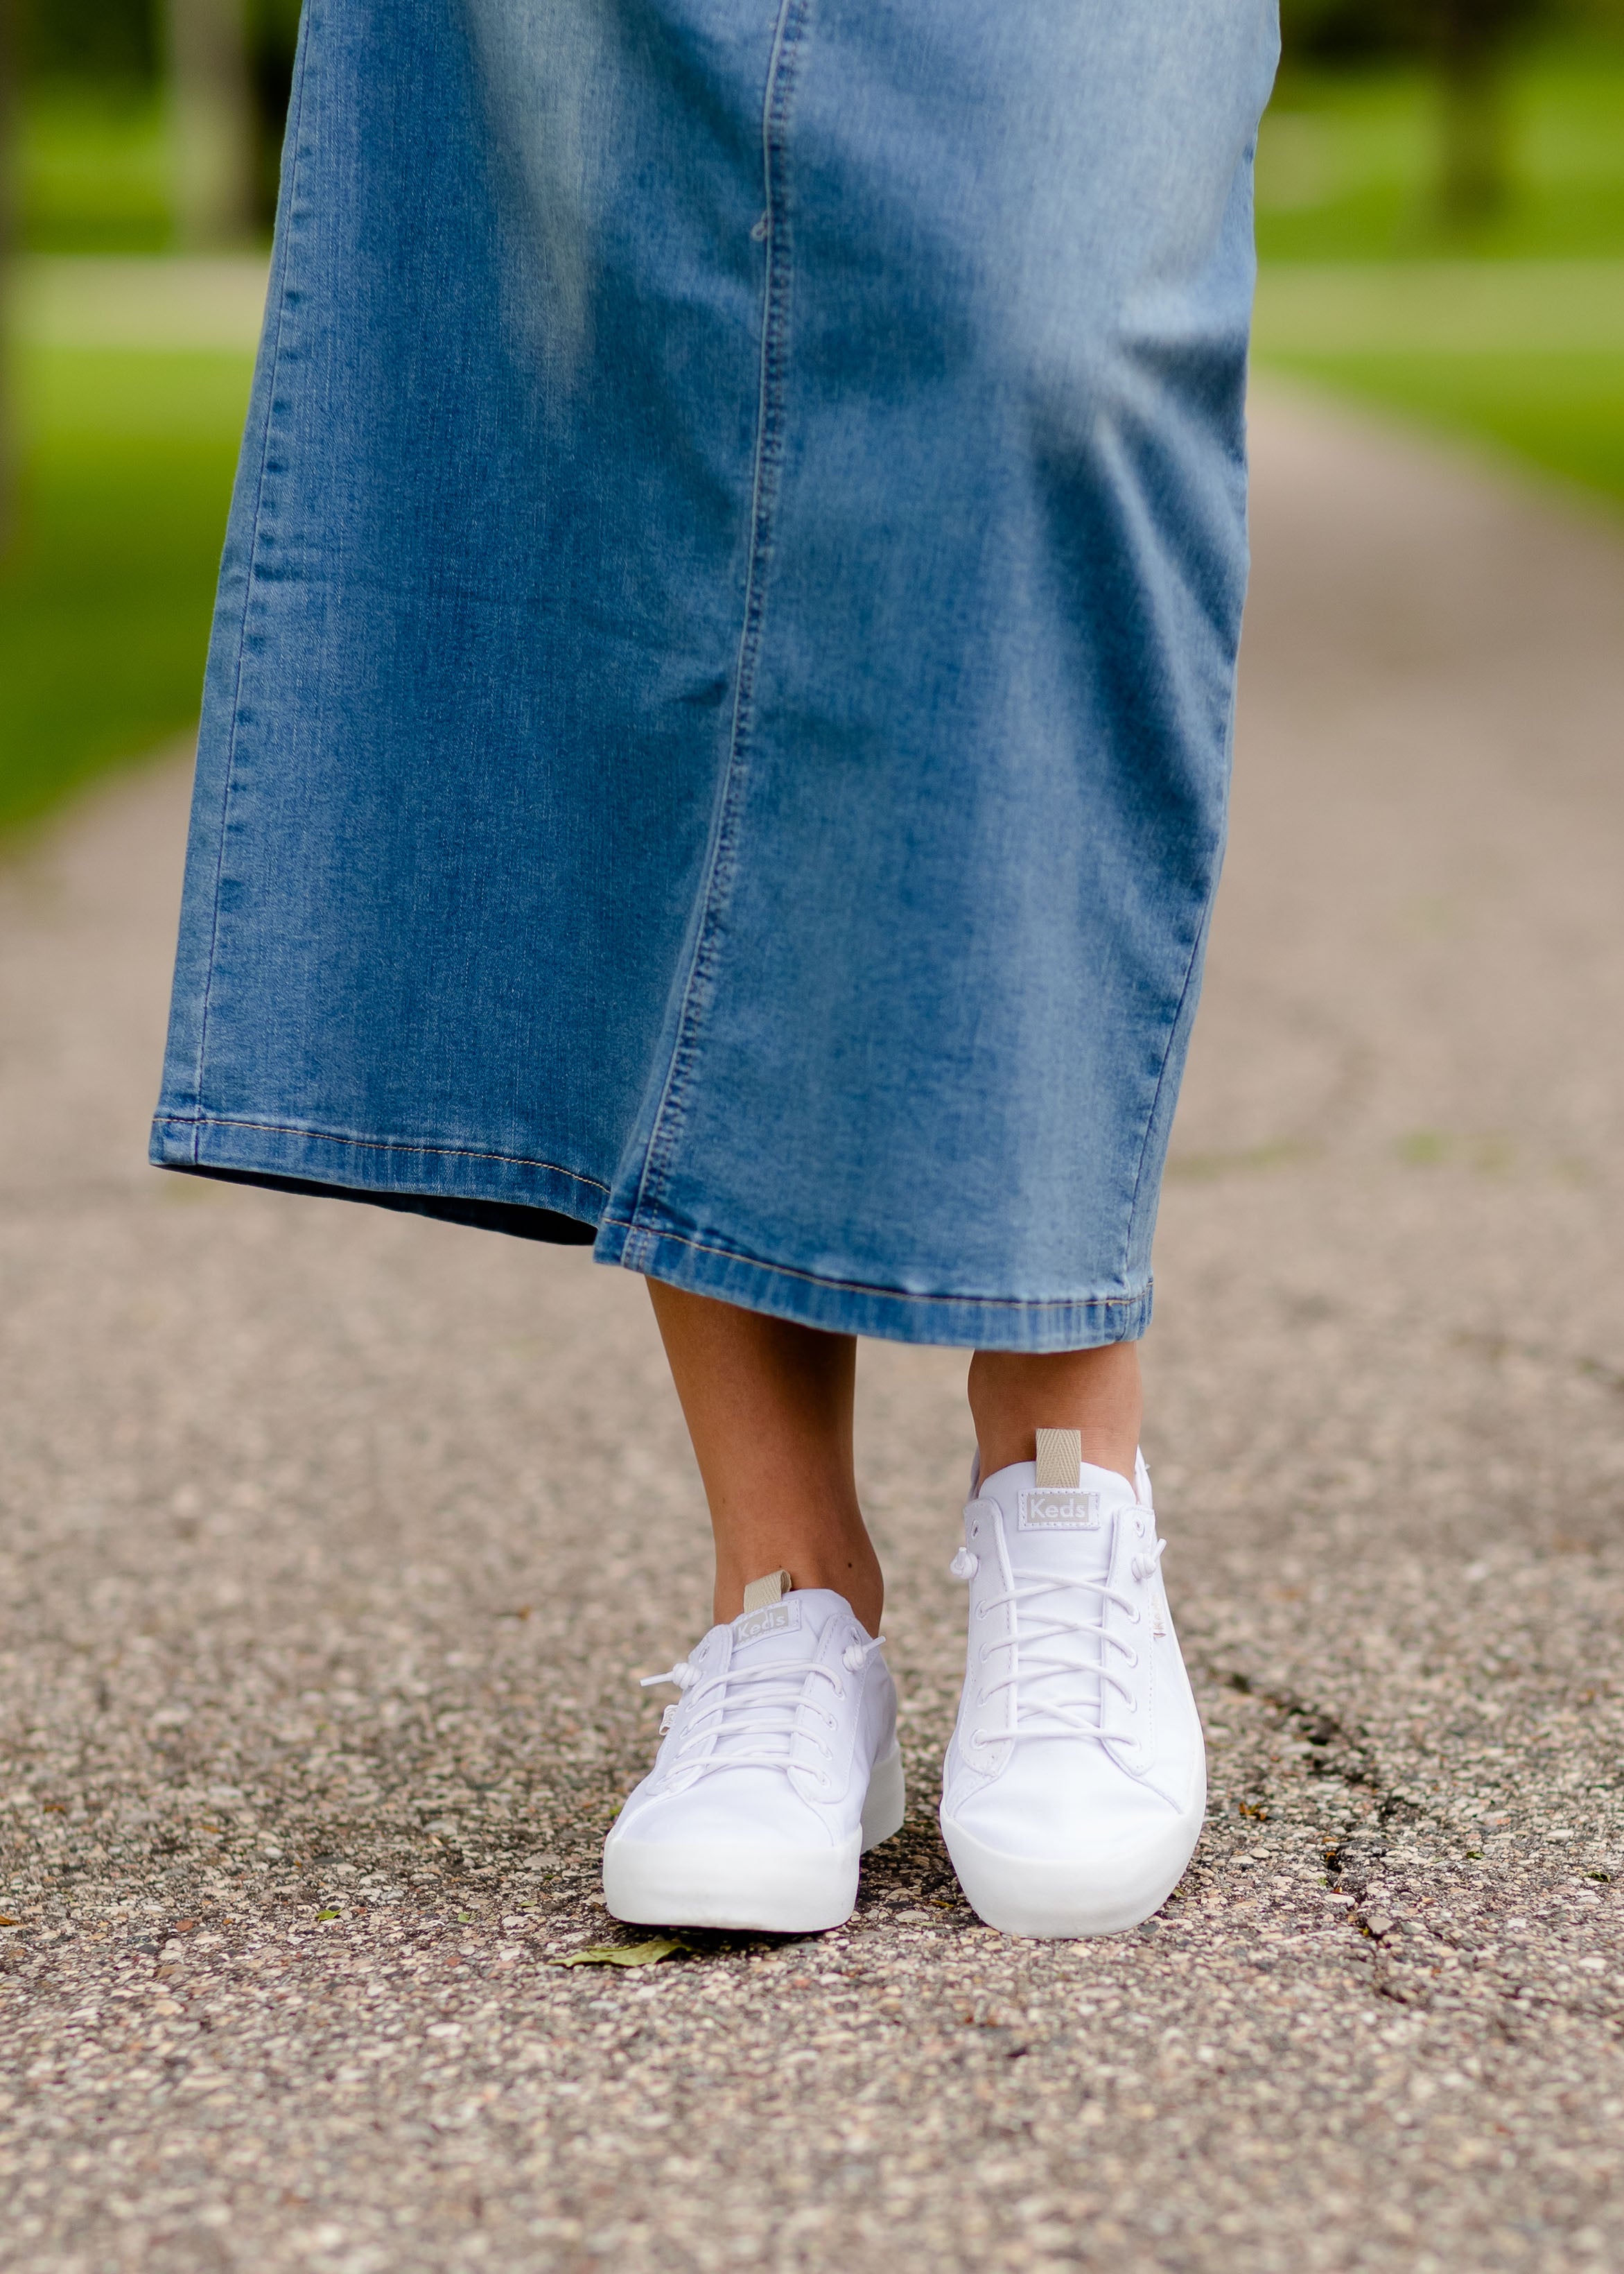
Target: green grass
94	170
1563	414
105	597
1527	355
1528	358
1348	166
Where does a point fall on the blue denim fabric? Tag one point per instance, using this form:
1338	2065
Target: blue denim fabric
717	723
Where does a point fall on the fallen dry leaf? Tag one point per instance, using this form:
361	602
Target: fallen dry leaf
624	1953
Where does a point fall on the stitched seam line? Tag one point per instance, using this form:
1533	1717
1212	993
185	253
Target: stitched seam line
254	556
899	1294
1150	1119
1190	971
201	1121
669	1115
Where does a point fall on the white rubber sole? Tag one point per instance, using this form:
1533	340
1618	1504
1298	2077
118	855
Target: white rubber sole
746	1886
1067	1898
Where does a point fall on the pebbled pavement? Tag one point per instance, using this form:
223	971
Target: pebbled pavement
333	1542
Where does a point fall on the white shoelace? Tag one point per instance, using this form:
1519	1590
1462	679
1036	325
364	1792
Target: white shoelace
751	1703
1043	1717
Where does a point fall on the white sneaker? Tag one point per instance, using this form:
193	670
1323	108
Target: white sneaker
1075	1786
779	1767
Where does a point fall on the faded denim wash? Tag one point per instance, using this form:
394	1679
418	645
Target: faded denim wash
717	725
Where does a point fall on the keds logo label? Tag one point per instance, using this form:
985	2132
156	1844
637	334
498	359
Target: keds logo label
779	1618
1059	1510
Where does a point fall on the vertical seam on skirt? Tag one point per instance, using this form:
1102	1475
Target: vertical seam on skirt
1155	1100
668	1118
1196	948
295	144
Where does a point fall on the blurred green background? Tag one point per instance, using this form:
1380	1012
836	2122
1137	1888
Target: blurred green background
1440	218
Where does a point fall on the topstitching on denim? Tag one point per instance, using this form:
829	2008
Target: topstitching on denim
777	278
201	1121
285	234
889	1294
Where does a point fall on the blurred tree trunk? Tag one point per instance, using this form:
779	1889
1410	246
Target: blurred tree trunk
214	123
1472	39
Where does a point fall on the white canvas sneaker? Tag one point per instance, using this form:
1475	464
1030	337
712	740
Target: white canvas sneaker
1075	1786
779	1768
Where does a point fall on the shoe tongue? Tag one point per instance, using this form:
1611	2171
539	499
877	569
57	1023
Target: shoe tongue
1058	1531
759	1715
788	1628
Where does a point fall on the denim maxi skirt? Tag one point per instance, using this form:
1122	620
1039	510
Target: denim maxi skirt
716	731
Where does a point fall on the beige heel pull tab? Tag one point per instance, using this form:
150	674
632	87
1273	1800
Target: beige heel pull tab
762	1594
1060	1459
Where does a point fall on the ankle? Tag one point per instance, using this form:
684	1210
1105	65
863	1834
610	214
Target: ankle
1014	1394
849	1569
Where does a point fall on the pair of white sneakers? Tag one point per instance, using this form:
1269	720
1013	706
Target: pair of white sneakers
1075	1785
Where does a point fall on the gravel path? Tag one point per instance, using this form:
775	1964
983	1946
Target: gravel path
333	1542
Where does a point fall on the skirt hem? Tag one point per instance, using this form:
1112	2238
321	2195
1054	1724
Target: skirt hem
495	1191
535	1200
885	1313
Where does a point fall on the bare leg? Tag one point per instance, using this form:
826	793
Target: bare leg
769	1407
1014	1394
